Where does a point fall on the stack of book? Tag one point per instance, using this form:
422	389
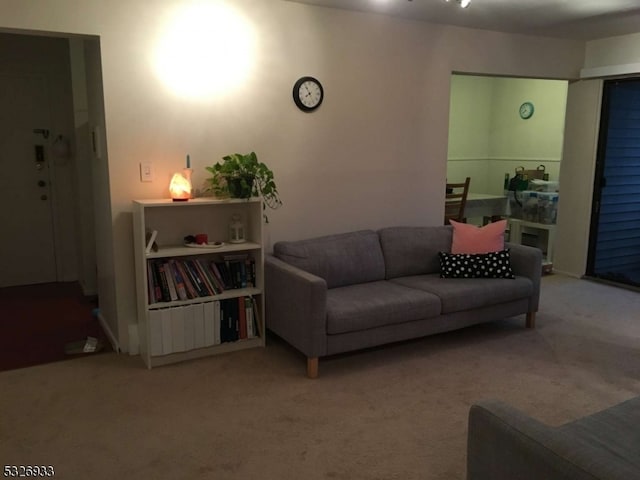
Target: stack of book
174	279
188	327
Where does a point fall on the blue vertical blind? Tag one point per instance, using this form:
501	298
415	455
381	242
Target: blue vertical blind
618	239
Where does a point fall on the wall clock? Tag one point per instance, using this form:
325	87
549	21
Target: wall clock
526	110
308	94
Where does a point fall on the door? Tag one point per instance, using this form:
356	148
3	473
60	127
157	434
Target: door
614	248
27	253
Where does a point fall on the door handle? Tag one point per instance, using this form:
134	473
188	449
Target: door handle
42	183
43	197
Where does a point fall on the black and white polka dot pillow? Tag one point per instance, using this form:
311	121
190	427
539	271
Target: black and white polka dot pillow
476	265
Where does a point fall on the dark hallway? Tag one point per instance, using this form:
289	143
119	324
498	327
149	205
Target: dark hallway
37	322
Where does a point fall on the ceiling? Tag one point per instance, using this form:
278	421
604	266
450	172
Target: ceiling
574	19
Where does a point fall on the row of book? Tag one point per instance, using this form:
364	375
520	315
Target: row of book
187	327
173	279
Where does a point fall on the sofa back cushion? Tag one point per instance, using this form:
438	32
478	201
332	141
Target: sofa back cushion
341	259
414	250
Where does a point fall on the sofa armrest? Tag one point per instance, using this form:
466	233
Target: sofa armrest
506	444
527	262
296	305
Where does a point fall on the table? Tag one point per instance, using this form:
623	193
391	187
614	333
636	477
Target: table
486	205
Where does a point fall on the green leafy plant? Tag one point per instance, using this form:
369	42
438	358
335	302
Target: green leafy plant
243	176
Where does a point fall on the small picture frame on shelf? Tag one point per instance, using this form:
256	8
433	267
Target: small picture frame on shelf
150	238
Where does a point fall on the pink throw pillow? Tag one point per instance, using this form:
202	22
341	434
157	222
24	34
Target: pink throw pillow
469	238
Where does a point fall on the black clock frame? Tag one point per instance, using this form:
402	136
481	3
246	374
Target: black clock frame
296	93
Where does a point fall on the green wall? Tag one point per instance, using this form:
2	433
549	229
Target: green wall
487	137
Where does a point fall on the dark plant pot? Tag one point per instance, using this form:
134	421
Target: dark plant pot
240	187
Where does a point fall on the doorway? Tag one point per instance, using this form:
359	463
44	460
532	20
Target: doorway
50	87
614	241
491	138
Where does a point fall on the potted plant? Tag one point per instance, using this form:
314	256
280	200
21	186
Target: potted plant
243	176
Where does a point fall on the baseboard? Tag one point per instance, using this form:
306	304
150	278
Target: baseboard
112	338
568	274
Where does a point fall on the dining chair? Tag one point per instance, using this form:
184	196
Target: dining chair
455	201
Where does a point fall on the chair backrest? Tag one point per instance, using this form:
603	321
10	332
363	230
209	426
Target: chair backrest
455	201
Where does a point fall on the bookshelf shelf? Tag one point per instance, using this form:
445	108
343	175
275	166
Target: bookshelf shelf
181	250
218	306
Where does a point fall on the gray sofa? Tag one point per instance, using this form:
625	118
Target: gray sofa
344	292
506	444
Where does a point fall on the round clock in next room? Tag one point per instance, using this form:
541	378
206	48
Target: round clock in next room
308	94
526	110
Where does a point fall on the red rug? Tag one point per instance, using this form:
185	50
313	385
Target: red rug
37	321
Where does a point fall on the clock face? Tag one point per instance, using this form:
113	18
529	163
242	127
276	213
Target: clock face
308	94
526	110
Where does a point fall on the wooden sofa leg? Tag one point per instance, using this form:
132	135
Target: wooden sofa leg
531	320
312	367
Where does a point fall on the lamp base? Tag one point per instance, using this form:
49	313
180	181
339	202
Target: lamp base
180	199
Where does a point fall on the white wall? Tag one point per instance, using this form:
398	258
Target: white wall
373	155
613	51
577	171
604	58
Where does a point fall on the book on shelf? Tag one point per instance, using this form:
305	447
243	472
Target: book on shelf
251	328
157	290
190	289
151	287
229	320
167	340
155	333
208	276
217	322
164	284
242	319
225	334
256	317
217	276
224	273
177	329
189	327
197	282
250	265
173	294
209	323
179	281
199	325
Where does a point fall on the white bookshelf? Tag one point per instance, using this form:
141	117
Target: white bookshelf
173	221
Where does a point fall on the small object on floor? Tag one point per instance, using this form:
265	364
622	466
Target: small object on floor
90	345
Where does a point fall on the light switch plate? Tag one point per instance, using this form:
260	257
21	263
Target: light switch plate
146	172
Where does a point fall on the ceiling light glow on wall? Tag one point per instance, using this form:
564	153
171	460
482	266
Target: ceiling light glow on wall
206	49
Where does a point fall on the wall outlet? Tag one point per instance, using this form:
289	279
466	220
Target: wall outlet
146	172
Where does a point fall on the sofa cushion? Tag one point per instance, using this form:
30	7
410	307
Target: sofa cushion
477	265
413	250
374	304
468	293
341	259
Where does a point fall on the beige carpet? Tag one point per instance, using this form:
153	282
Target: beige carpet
398	412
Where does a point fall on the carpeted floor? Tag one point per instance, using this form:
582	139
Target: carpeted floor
397	412
38	321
